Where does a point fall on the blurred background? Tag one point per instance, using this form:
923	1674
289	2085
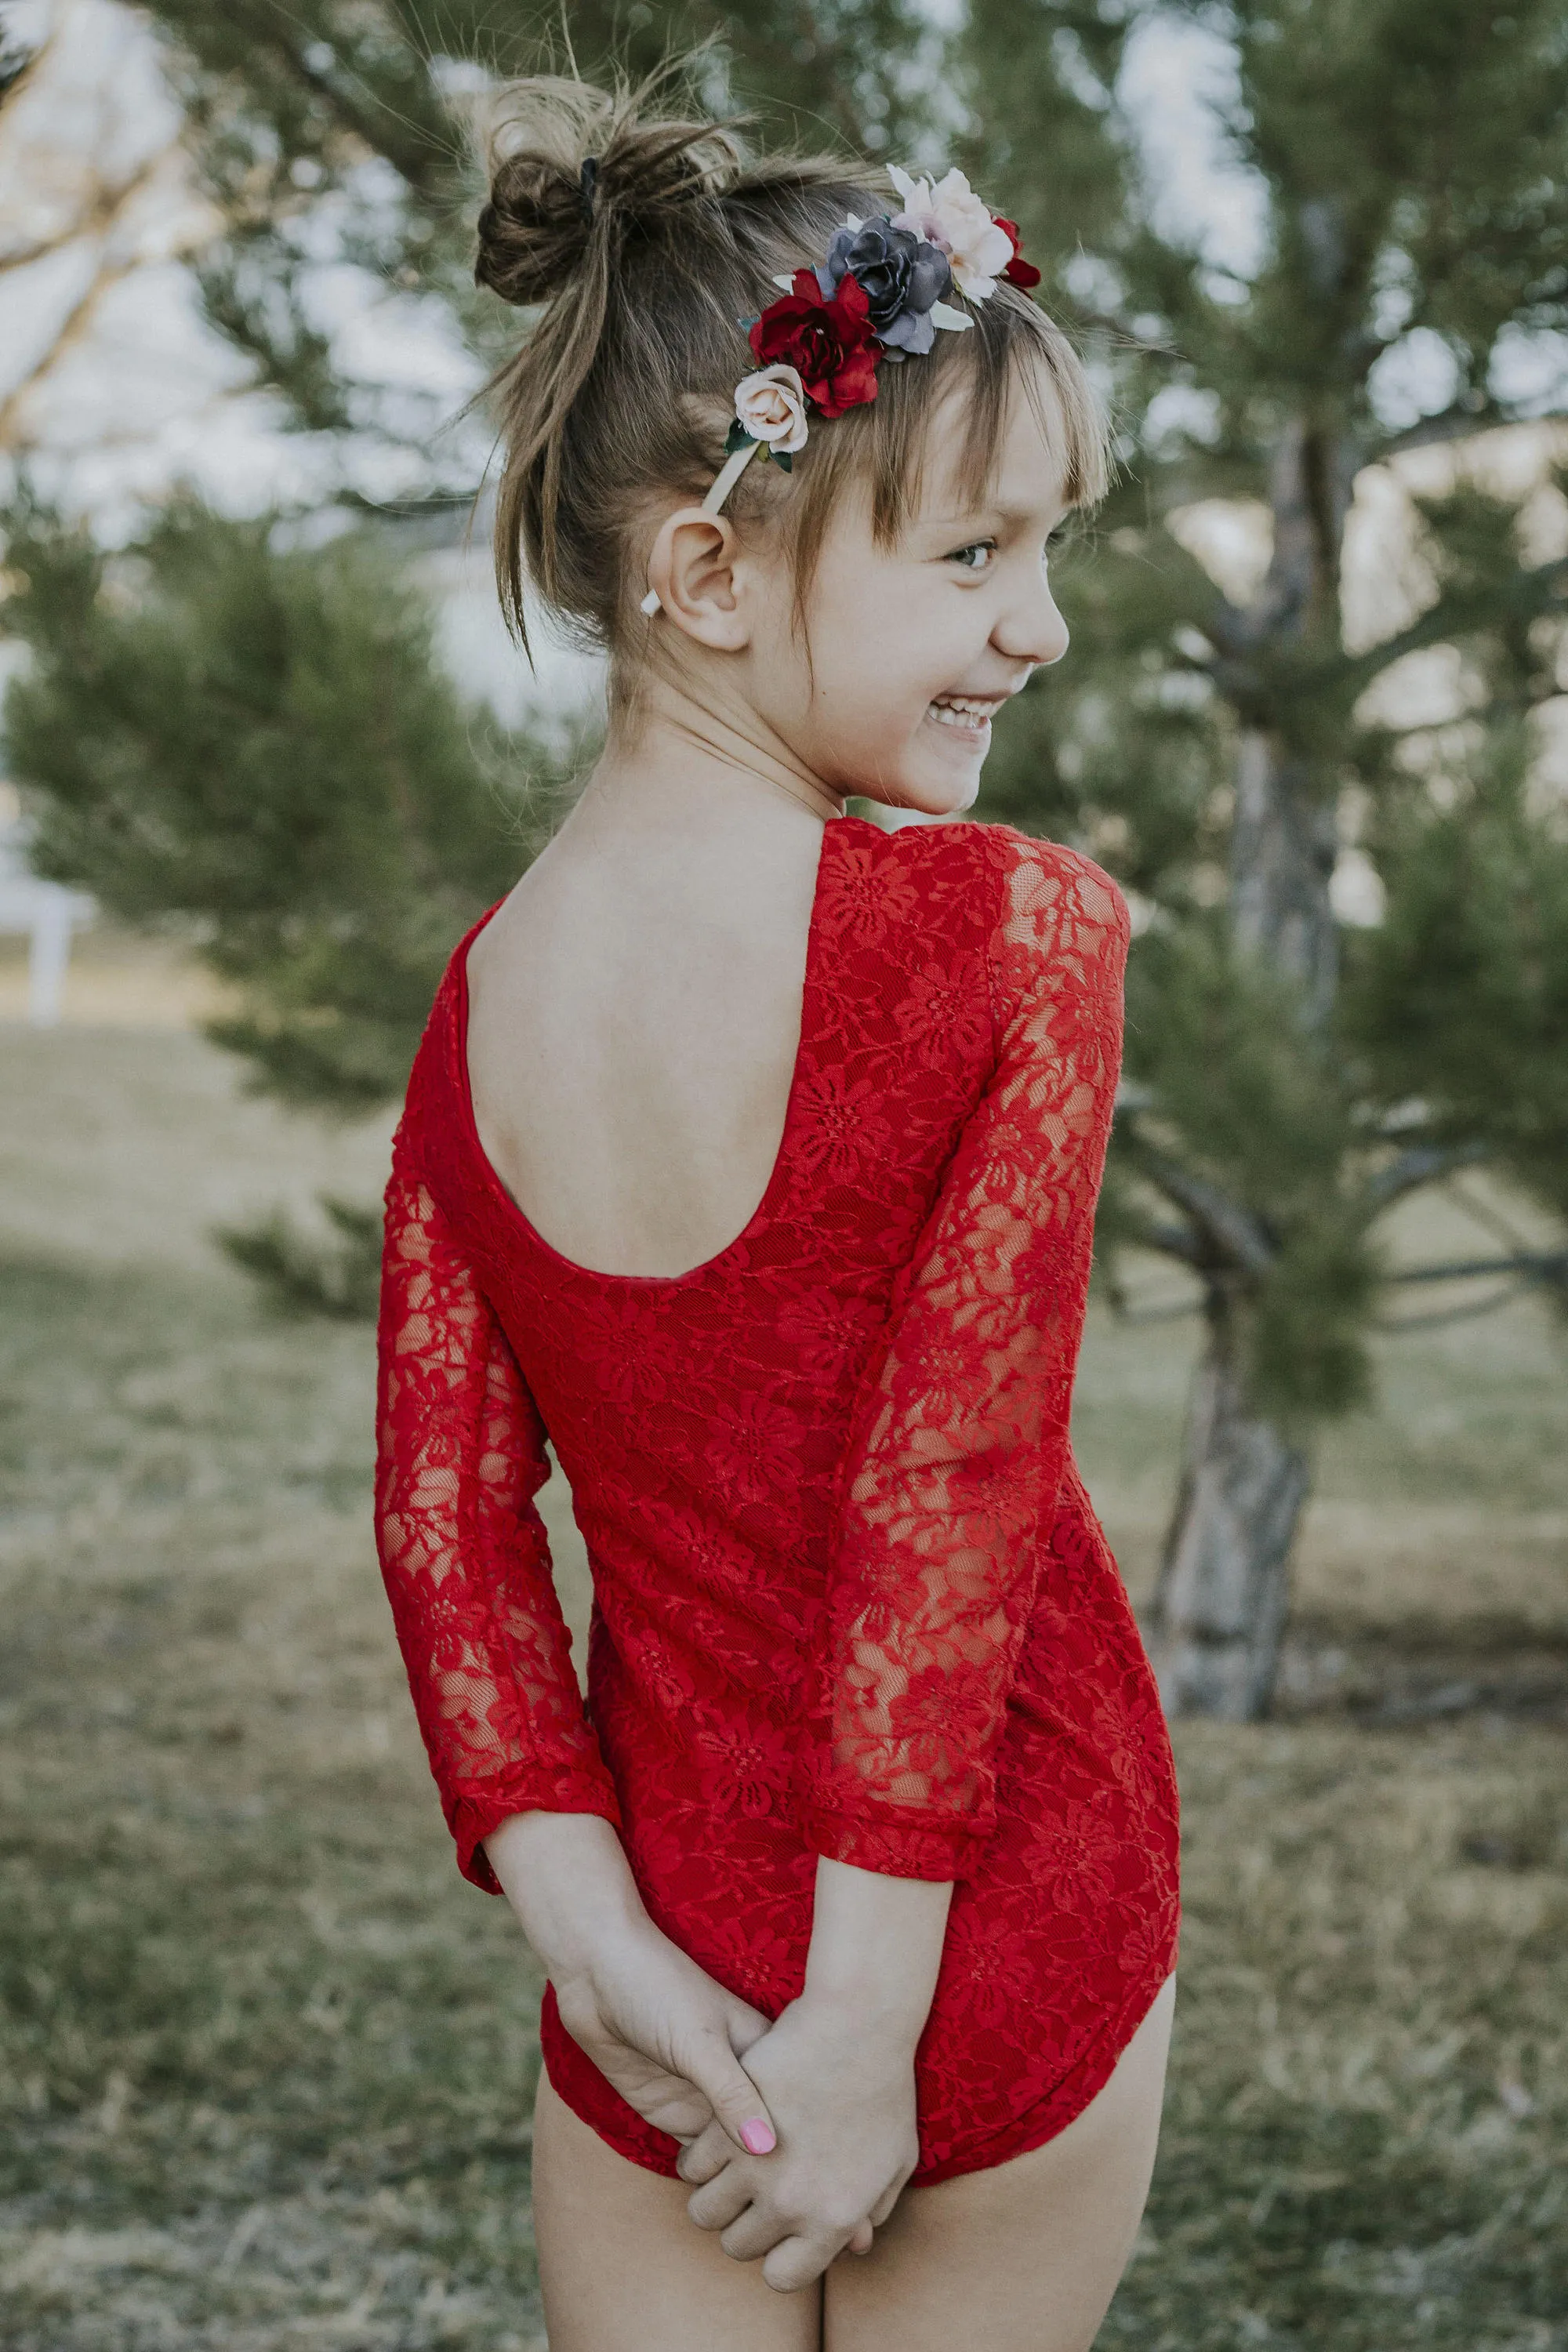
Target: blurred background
266	753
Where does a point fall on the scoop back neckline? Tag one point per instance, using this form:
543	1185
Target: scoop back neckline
779	1174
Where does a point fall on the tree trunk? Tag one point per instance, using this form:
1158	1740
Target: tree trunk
1283	845
1224	1588
1225	1578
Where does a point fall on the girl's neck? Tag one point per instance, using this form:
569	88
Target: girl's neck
673	762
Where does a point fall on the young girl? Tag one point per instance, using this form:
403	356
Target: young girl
749	1157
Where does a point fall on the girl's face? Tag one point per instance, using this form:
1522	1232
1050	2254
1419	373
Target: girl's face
914	649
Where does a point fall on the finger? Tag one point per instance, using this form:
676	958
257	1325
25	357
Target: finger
745	2026
882	2210
734	2096
795	2262
754	2232
702	2157
678	2109
719	2203
863	2239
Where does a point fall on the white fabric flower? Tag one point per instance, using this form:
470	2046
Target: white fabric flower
950	215
771	406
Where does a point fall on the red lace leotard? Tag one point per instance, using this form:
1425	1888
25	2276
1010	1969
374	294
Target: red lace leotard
850	1598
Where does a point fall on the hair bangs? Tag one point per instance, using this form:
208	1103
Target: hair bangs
1012	347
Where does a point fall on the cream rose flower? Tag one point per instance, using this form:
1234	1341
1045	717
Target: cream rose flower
950	215
771	407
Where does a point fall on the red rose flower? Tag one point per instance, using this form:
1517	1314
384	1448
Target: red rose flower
829	343
1018	271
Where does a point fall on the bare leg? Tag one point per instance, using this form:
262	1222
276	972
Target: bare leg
1024	2257
623	2267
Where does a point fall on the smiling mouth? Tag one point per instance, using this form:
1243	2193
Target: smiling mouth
964	714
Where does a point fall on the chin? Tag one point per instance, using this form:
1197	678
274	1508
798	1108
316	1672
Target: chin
946	795
927	807
918	784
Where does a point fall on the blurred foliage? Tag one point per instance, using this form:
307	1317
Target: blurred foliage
1271	1116
253	745
1246	1107
335	1273
1462	992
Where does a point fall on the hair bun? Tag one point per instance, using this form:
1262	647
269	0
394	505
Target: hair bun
534	231
570	165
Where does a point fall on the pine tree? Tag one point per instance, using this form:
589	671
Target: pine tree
1288	1083
254	748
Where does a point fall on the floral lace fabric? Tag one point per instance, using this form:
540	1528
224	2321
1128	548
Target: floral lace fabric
849	1595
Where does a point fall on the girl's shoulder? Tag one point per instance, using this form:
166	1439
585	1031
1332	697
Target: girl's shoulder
1032	895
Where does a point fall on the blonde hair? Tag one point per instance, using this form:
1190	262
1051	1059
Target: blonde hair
646	238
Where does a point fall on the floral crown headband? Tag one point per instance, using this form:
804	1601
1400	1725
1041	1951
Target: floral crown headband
878	296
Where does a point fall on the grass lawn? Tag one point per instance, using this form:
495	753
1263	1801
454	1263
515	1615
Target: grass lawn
268	2065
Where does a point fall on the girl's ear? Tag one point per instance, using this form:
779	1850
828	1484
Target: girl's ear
692	570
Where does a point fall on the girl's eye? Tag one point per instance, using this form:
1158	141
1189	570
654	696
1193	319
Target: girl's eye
984	547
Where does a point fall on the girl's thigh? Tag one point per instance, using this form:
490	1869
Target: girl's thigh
623	2268
1024	2257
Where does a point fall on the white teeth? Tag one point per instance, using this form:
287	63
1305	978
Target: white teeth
960	710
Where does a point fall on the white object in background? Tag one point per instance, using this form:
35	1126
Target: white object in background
47	911
48	955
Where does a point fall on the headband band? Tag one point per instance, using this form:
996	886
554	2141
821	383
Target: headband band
728	474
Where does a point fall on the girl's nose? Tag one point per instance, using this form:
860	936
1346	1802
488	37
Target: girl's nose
1032	629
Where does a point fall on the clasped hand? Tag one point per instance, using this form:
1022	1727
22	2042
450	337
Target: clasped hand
843	2104
838	2097
802	2150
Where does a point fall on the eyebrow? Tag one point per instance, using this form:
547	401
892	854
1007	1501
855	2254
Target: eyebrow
975	514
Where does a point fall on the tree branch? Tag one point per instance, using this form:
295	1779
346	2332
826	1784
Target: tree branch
1535	1266
1456	423
78	320
1236	1237
97	217
1172	1241
1423	1164
1443	1316
1525	596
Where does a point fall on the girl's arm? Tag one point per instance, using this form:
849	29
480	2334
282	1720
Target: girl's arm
460	1456
958	1448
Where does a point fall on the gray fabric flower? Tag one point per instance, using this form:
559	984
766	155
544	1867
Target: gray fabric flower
902	276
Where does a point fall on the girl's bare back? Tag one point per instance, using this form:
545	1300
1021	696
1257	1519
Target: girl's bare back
634	1021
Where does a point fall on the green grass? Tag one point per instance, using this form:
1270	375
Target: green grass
265	2058
1370	2082
267	2065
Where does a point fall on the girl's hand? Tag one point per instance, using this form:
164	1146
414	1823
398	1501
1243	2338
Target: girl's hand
842	2095
653	2022
670	2037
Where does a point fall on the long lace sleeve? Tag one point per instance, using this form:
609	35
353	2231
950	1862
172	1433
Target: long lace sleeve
958	1439
460	1454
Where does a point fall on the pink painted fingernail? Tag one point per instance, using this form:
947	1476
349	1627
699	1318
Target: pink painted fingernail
758	2137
